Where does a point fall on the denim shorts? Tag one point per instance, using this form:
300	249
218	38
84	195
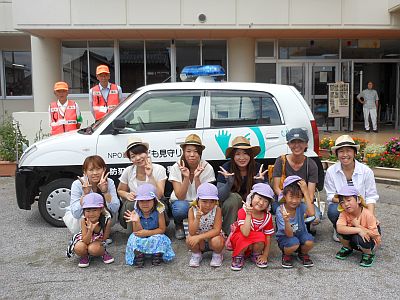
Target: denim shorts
298	239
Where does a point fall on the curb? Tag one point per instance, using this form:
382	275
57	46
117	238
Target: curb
387	181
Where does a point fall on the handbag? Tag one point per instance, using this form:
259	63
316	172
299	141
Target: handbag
228	242
283	176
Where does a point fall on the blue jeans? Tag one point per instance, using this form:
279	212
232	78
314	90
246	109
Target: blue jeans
333	214
180	209
299	239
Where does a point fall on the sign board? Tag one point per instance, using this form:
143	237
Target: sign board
338	100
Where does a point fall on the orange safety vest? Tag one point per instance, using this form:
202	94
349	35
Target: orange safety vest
101	107
60	123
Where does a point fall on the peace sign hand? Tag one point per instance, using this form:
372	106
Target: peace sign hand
199	170
86	186
131	216
148	168
284	213
103	184
184	170
225	173
91	226
261	174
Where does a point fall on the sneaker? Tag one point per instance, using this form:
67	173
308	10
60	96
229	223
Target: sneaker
306	260
216	260
367	260
107	258
344	253
376	130
157	259
179	232
335	236
84	261
254	257
139	259
262	265
195	260
237	263
287	261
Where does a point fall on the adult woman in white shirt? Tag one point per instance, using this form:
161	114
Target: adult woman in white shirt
186	175
348	171
141	171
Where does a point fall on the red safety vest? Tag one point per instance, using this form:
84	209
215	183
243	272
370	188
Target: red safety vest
101	107
60	123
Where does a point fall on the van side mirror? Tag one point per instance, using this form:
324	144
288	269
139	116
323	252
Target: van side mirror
118	125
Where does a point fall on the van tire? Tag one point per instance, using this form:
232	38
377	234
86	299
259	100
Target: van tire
53	200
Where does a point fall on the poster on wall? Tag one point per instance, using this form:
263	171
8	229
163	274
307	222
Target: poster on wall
338	100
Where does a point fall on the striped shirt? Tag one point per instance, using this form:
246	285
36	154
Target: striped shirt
265	224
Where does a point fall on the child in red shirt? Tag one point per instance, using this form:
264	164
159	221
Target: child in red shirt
254	228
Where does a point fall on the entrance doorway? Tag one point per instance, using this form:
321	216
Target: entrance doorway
311	80
385	77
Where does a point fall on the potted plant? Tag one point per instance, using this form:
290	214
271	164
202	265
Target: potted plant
325	147
387	163
12	143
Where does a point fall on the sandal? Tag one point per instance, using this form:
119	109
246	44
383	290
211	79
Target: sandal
139	259
157	259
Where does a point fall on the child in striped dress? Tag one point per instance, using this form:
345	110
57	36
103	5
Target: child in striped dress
205	223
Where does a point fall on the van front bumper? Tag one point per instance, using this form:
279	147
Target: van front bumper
26	187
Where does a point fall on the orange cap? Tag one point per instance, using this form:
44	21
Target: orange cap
102	69
61	85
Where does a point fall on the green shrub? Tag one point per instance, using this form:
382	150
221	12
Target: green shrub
9	134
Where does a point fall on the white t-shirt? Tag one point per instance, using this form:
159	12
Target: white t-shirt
129	176
206	176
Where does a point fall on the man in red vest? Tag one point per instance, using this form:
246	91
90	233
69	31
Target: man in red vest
105	96
64	114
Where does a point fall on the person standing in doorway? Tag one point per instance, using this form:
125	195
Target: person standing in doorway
64	115
105	96
370	101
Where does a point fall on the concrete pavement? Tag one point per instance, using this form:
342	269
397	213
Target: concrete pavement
33	265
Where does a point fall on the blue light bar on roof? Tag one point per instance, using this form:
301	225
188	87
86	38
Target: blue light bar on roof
192	72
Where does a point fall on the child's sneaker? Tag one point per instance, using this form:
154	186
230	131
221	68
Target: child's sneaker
287	261
237	263
216	260
254	257
139	259
367	260
344	253
306	260
107	258
84	261
195	260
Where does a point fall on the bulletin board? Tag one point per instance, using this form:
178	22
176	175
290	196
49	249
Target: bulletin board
338	100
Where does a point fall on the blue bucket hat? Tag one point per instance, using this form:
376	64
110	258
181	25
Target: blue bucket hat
289	180
93	200
148	191
262	189
207	191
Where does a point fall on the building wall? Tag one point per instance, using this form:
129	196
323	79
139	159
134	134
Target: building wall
183	14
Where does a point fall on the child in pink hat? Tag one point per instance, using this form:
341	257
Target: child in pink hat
252	235
205	226
292	234
95	229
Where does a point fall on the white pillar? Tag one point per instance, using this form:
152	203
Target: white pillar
241	59
46	70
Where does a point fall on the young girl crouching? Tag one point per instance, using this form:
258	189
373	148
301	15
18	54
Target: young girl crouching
254	228
148	224
95	229
205	223
357	226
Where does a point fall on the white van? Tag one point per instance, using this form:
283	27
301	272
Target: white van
163	115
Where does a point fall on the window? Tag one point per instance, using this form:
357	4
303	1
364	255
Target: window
163	111
131	55
389	49
18	75
266	73
234	109
214	53
296	49
187	54
158	62
265	49
77	72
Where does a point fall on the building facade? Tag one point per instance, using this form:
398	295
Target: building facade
305	43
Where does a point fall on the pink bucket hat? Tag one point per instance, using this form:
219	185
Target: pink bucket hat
93	200
207	191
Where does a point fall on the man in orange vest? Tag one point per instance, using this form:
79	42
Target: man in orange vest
105	96
64	114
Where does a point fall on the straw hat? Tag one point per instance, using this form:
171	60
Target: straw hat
240	142
193	139
134	141
345	141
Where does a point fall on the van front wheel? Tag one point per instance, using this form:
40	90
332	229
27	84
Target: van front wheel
53	200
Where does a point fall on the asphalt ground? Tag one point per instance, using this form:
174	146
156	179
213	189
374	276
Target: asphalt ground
34	266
